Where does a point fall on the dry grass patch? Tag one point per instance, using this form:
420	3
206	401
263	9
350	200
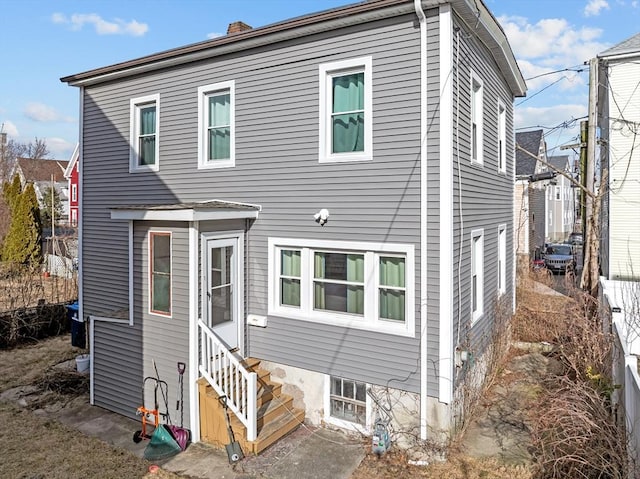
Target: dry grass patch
27	364
395	465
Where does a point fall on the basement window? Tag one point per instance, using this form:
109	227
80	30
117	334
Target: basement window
347	403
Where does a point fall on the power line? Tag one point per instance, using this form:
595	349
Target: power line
570	69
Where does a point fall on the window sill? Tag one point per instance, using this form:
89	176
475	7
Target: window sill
216	164
345	321
345	158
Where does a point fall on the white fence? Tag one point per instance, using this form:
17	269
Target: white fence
620	307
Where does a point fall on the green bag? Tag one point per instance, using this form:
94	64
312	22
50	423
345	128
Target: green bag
162	445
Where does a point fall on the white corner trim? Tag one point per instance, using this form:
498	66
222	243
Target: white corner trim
424	346
446	363
194	412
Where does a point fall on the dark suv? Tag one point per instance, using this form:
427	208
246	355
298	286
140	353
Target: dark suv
559	257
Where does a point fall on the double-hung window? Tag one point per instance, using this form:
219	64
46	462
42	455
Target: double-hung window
351	284
346	110
477	140
477	274
74	192
502	259
502	137
216	125
144	141
160	273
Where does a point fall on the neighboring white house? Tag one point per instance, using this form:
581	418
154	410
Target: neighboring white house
619	105
560	202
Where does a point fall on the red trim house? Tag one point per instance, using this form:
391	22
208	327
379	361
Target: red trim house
71	173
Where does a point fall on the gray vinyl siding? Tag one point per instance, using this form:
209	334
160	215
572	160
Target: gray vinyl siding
117	367
483	197
276	113
165	340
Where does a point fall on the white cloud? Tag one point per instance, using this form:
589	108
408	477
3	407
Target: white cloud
60	149
594	7
552	42
101	26
9	128
552	116
43	113
214	35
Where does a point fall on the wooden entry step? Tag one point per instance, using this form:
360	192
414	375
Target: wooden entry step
276	415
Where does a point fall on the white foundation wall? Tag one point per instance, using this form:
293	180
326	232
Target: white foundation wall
308	391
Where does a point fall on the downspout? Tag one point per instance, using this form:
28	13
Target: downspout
422	18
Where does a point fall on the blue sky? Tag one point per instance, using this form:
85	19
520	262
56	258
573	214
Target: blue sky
43	40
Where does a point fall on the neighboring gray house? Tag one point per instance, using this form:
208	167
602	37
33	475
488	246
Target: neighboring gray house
530	196
331	195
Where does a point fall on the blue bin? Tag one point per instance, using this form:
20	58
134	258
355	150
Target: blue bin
78	328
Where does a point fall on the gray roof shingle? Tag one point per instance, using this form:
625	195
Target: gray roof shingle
630	45
530	141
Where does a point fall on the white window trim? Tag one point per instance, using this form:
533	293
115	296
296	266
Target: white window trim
149	274
134	107
369	321
478	261
203	92
326	71
341	423
502	257
74	192
502	137
477	113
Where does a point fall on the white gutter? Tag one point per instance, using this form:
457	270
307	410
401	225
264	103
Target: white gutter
423	219
445	383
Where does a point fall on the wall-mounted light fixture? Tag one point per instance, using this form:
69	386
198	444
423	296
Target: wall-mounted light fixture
322	216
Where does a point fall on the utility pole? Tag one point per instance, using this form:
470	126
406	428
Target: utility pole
590	271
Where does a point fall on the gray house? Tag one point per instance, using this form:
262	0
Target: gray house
330	196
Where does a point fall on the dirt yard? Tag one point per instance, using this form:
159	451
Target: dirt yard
34	446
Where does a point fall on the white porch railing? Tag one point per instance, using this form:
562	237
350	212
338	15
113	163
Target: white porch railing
229	378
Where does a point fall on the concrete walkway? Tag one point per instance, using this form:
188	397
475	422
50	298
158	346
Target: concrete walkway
300	455
501	428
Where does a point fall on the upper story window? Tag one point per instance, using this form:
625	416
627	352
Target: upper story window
502	259
74	192
144	142
216	125
343	283
477	274
346	110
502	137
160	273
477	113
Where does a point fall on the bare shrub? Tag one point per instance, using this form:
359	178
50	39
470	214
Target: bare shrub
24	286
575	434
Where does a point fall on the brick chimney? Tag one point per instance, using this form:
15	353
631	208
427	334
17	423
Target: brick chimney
236	27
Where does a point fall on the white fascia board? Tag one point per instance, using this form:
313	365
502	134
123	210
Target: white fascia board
181	215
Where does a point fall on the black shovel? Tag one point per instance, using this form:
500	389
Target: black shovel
234	451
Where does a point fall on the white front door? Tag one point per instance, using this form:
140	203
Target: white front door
222	295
